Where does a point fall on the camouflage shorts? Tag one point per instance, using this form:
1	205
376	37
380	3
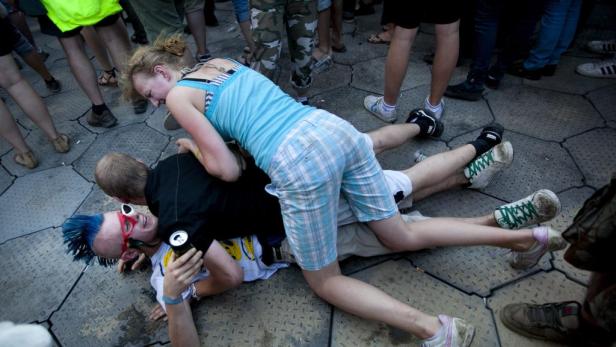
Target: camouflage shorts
269	19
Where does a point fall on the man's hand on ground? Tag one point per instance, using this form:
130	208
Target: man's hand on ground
158	313
134	266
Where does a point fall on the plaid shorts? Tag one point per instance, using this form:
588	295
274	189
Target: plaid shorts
320	158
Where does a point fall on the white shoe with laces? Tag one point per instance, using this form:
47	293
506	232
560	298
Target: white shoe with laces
480	171
539	207
604	69
374	104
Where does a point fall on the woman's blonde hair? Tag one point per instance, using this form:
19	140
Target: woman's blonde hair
166	50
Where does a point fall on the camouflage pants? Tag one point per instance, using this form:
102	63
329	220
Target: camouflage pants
269	19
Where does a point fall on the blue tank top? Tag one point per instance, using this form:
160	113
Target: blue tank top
247	107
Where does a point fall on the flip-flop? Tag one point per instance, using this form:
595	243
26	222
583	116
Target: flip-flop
377	39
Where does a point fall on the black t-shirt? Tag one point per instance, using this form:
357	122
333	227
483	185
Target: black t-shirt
183	196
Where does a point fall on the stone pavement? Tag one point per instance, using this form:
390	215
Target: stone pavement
563	131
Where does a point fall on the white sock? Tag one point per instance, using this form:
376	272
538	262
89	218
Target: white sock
437	110
301	99
386	108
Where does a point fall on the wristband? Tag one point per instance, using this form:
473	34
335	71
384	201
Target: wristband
172	301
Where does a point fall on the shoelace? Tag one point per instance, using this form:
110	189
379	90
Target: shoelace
546	315
518	214
480	164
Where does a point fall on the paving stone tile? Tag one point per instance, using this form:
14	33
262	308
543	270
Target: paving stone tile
400	280
41	200
60	72
568	81
359	50
533	160
155	121
369	75
108	309
5	146
337	76
537	289
81	139
122	110
593	153
603	99
541	113
172	148
5	180
249	316
30	269
137	140
452	264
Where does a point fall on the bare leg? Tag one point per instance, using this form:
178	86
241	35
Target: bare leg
82	68
324	47
437	168
445	58
36	62
21	91
397	62
196	22
391	136
366	301
115	38
10	132
457	180
336	20
247	33
93	40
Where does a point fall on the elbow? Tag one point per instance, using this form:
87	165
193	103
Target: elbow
231	279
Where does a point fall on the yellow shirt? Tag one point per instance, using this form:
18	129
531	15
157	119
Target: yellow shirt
70	14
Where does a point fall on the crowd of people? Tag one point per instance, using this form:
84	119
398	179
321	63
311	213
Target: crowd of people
266	179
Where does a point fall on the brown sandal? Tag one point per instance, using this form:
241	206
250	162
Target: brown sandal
26	159
378	39
62	143
108	78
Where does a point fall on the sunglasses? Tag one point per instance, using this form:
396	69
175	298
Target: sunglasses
128	220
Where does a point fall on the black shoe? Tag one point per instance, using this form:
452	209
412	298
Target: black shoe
549	70
140	106
429	126
493	78
365	10
53	85
211	20
348	17
104	120
520	71
465	91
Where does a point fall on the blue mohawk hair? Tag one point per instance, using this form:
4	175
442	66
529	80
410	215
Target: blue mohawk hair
79	232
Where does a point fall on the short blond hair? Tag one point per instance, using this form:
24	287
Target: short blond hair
166	50
122	176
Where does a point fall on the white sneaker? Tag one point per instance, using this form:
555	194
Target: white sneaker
480	171
547	239
604	69
374	105
602	46
455	332
536	208
438	111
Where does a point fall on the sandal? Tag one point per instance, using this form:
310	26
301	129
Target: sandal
378	39
26	159
108	78
62	143
320	65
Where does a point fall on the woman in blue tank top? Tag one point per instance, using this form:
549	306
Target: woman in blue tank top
311	157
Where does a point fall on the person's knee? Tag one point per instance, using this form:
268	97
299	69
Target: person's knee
447	30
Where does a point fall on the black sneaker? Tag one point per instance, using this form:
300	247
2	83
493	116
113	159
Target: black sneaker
549	70
520	71
53	85
104	120
465	91
494	78
543	322
348	16
429	126
140	106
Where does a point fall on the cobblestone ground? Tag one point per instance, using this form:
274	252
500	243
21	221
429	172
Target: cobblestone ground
563	131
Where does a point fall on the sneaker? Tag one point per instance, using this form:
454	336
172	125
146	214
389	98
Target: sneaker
429	126
140	106
520	71
374	104
62	143
604	69
480	171
53	85
602	46
539	207
545	322
454	332
494	77
103	120
437	110
323	64
549	70
348	17
547	239
170	123
27	159
465	91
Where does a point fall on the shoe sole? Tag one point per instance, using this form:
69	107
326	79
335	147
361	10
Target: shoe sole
547	204
464	96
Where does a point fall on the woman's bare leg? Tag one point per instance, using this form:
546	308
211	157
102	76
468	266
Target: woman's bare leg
437	168
93	40
391	136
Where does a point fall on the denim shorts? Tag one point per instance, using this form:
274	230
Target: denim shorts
322	157
242	10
